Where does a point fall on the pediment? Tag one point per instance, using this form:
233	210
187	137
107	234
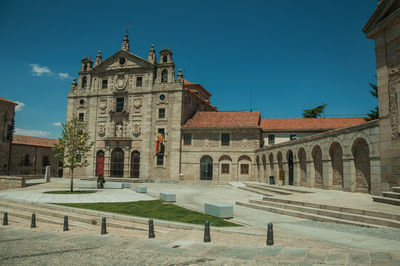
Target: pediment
131	62
384	9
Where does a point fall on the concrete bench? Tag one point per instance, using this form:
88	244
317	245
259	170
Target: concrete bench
218	210
167	196
126	184
113	185
141	189
92	185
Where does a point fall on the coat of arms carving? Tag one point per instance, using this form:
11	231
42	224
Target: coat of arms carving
120	82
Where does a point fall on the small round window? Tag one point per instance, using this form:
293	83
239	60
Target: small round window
122	61
162	97
82	101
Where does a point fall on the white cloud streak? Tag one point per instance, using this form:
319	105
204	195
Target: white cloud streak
37	70
31	132
19	107
64	75
57	124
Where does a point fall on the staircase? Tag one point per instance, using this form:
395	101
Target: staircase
324	213
389	197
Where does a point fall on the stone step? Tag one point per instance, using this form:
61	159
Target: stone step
273	190
255	191
396	189
372	213
389	194
278	187
308	216
329	213
386	200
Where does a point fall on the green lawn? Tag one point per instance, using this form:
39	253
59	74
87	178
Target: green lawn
69	192
155	209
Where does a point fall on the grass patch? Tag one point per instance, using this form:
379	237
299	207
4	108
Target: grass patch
69	192
155	209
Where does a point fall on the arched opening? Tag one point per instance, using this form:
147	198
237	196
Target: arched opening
303	167
336	154
289	157
317	158
225	165
279	158
164	76
117	163
100	163
84	82
264	164
258	166
135	164
206	168
244	163
362	164
271	163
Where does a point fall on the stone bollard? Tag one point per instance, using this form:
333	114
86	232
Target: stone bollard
151	229
270	235
103	226
5	218
207	237
47	174
65	223
33	221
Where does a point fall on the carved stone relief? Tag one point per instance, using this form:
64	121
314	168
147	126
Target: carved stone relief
136	129
137	104
119	129
120	82
101	129
103	106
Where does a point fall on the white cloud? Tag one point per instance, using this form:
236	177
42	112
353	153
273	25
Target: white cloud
57	124
37	70
64	75
20	106
31	132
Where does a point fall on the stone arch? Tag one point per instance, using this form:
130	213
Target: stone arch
318	168
290	160
244	166
264	164
225	165
336	154
281	172
258	166
303	166
360	151
361	135
206	168
271	162
164	76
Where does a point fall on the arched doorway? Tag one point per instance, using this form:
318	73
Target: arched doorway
303	167
206	168
317	158
290	164
362	164
117	163
100	163
336	154
135	164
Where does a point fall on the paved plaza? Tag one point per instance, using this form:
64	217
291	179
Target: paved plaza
296	240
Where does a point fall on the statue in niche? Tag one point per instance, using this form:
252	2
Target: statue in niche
101	129
119	130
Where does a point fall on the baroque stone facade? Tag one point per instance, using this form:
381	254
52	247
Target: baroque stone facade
7	112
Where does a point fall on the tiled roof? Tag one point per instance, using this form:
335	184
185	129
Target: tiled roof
194	86
223	119
33	141
310	123
8	101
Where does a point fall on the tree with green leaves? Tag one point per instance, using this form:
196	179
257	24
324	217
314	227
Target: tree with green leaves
314	112
374	113
74	145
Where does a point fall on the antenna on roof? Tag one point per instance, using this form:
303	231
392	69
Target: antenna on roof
251	99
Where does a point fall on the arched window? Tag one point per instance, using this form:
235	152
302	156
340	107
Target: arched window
117	163
100	163
206	168
164	76
84	82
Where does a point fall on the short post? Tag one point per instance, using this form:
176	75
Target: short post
103	226
47	174
65	223
270	235
33	221
207	236
5	218
151	229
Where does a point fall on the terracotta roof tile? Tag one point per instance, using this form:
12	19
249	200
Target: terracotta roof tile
5	100
310	123
223	119
33	141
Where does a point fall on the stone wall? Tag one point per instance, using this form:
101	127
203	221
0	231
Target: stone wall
10	182
346	159
6	117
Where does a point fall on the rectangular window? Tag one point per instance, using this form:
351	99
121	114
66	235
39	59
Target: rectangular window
271	139
161	113
104	85
187	139
292	137
120	104
225	139
161	131
139	81
244	169
81	116
225	168
160	159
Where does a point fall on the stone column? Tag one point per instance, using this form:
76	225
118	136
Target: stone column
286	169
375	164
296	173
326	174
349	174
107	162
47	174
310	171
127	157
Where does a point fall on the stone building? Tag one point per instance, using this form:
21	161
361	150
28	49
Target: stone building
384	27
7	112
31	155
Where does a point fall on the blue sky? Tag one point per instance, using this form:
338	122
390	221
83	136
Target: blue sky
291	54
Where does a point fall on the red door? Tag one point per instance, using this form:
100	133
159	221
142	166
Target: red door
100	163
